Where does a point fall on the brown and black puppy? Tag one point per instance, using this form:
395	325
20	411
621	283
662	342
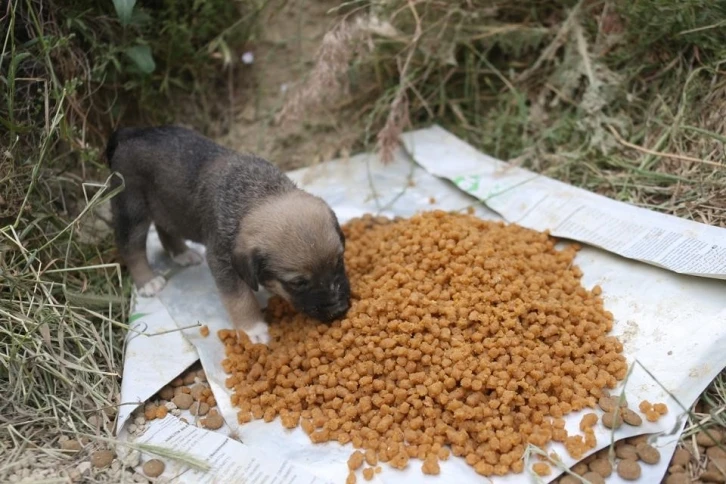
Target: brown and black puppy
259	229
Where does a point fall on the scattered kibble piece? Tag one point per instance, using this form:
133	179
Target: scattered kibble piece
709	437
612	421
166	393
102	458
188	378
631	418
213	421
378	469
580	468
161	412
593	478
153	468
601	466
661	408
431	466
568	479
371	457
681	457
629	470
648	454
440	333
204	331
199	409
356	460
645	406
542	469
183	401
678	478
351	478
626	451
432	200
368	473
588	421
71	445
197	390
607	403
715	453
652	416
150	411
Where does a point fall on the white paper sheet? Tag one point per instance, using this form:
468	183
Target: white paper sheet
672	324
541	203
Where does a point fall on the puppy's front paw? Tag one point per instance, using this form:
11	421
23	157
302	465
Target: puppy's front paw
258	333
188	258
152	287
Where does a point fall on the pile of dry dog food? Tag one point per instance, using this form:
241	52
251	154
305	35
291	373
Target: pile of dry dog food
463	334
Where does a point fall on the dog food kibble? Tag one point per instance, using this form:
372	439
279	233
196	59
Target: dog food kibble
462	333
626	451
648	453
351	478
213	421
204	331
608	403
629	470
541	469
197	390
612	420
709	437
602	467
371	457
593	478
183	401
681	457
568	479
166	393
102	458
188	379
652	416
660	408
161	412
199	409
631	418
356	460
150	411
177	382
588	421
431	466
153	468
71	445
369	473
678	478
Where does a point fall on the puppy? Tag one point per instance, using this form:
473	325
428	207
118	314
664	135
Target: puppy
258	228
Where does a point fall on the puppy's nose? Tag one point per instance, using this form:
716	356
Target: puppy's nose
340	309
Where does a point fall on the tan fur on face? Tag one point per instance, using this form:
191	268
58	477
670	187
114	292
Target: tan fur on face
276	288
296	229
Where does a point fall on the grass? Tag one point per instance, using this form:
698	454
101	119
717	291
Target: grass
69	73
593	93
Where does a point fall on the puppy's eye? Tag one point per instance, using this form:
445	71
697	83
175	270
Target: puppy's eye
298	283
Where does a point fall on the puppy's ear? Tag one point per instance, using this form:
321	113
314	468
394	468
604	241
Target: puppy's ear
249	267
339	231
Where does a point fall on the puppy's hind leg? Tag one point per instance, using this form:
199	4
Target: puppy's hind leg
131	222
178	249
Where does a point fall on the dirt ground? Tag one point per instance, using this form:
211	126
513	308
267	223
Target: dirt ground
293	30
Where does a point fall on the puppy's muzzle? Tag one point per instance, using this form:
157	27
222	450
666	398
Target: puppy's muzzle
329	305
